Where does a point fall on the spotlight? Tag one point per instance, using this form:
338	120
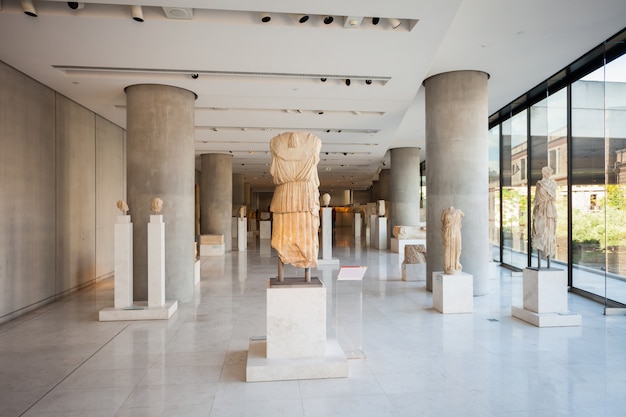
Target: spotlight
348	81
137	13
303	18
395	23
29	8
74	5
194	76
368	82
375	20
323	79
328	20
265	18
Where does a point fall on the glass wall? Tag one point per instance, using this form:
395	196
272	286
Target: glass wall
575	123
598	204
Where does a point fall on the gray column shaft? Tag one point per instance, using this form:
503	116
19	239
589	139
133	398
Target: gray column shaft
238	192
457	169
375	191
247	195
216	203
384	184
160	154
405	187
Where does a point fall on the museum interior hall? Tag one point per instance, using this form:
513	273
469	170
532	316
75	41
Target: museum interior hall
350	208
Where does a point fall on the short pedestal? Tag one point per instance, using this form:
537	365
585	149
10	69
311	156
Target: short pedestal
373	230
265	231
212	245
296	346
242	235
413	272
123	252
453	293
545	299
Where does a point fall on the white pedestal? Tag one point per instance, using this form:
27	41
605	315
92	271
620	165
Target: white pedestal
265	227
265	248
397	246
545	299
413	272
357	224
453	293
196	272
156	261
327	238
381	233
212	250
242	235
296	345
123	252
373	230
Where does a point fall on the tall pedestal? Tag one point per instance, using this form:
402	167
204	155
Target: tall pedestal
123	281
453	293
266	229
242	234
373	230
545	299
380	237
296	346
156	308
327	238
357	224
156	261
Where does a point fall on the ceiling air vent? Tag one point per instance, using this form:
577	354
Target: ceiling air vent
178	13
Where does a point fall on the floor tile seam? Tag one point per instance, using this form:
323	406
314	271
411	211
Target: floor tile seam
73	370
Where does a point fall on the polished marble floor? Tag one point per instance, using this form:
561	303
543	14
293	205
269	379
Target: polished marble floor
406	359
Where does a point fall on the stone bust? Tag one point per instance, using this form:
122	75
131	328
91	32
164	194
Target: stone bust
326	199
156	205
121	204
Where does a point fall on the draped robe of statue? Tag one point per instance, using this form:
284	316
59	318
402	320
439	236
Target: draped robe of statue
295	204
451	239
544	215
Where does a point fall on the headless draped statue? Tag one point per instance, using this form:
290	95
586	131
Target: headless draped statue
544	217
451	239
296	201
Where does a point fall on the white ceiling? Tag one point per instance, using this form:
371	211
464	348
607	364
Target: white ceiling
256	80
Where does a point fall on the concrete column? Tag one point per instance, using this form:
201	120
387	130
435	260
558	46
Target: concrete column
216	202
238	192
375	191
384	185
405	187
247	195
160	163
457	169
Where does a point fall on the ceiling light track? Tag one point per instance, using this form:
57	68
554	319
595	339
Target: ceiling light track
89	70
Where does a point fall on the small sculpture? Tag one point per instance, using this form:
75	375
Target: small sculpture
451	239
121	204
326	199
381	208
242	212
544	217
156	205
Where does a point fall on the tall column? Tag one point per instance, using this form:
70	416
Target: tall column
160	163
375	190
238	192
384	183
247	195
457	169
216	190
405	187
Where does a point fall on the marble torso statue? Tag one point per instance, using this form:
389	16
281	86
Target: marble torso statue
544	215
451	239
296	201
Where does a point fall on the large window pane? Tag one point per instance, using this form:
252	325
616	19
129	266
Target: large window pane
494	192
515	191
598	194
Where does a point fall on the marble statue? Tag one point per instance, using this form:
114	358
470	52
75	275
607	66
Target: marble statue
381	208
543	232
295	204
451	239
156	205
242	212
121	204
326	199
